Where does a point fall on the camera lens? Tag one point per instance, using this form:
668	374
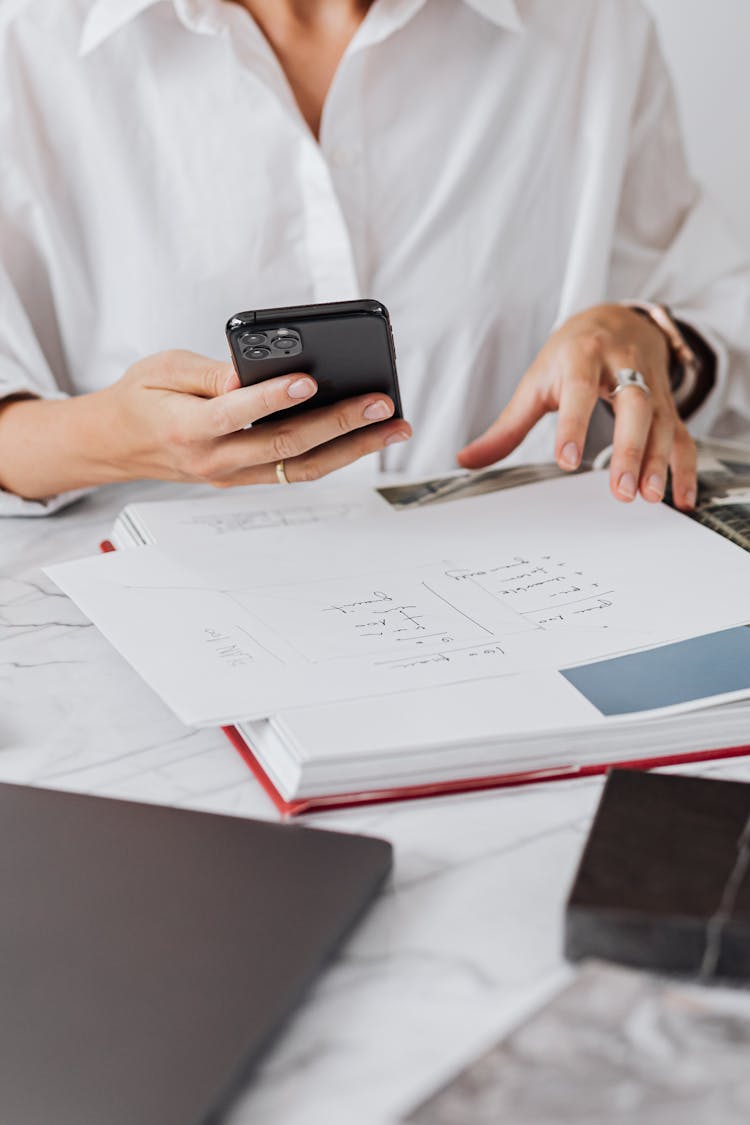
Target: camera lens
256	353
284	343
251	339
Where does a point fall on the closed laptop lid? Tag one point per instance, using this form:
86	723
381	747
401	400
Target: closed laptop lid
147	954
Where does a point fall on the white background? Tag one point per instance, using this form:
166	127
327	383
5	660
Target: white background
707	43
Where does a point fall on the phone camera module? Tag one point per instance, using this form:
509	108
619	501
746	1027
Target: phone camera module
256	353
251	340
287	341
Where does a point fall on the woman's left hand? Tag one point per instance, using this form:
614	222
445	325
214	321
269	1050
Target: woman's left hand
578	365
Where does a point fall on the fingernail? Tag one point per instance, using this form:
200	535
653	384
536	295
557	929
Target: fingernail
400	435
626	485
300	388
569	455
655	484
690	498
377	411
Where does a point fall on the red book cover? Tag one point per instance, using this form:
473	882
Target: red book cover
466	785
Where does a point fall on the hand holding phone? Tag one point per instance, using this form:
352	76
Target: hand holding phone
184	417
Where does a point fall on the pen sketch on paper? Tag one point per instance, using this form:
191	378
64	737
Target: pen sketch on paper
436	614
518	581
227	523
184	524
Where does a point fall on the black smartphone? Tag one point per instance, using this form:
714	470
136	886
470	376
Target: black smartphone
347	347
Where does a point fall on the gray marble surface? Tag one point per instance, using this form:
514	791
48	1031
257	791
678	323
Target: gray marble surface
466	936
615	1046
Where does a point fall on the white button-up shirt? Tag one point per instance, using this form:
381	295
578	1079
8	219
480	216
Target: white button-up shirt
485	168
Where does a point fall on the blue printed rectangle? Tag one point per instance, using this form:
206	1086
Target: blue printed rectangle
684	672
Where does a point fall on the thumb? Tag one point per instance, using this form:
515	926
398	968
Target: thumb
192	374
507	431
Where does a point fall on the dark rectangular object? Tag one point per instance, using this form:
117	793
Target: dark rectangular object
148	954
664	881
347	347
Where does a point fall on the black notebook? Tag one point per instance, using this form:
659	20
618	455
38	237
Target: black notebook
664	880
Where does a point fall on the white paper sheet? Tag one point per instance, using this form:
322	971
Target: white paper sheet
231	517
540	577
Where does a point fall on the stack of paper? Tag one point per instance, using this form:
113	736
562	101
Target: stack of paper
366	649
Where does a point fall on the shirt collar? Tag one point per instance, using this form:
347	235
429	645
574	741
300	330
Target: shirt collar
105	17
502	12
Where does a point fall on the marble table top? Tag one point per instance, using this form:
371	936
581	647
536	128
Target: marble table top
466	938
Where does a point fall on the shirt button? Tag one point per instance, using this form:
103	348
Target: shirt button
345	156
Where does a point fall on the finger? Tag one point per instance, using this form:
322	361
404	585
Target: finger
234	411
633	414
326	458
190	374
291	437
684	462
653	479
579	393
508	430
336	454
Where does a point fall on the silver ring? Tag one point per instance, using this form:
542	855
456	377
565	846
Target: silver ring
281	476
628	377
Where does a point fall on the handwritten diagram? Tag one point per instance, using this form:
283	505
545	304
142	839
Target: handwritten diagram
434	614
227	523
547	590
528	580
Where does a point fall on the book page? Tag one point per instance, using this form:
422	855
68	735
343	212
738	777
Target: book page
231	517
544	576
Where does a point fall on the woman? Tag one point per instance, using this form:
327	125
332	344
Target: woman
507	177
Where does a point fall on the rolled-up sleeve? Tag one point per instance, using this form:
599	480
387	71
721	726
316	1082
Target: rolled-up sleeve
673	246
25	367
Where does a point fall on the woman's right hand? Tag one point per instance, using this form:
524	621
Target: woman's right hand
181	416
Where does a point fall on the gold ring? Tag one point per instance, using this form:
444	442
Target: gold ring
281	476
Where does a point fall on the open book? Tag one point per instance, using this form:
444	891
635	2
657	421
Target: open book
363	645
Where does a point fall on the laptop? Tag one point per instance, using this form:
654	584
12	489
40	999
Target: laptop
148	955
